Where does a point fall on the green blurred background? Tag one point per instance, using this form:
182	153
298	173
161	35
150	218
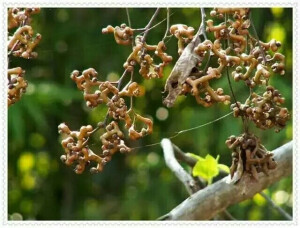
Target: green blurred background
137	186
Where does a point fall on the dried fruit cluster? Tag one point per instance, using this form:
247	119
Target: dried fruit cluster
265	111
140	52
16	85
234	46
184	34
107	92
20	16
113	94
249	155
96	92
20	44
123	34
77	150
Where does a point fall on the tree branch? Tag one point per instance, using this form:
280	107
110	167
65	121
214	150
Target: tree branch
203	15
180	155
149	24
168	23
206	203
176	168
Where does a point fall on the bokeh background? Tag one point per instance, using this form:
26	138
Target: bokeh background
137	186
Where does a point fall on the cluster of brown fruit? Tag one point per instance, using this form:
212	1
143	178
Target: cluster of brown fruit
16	85
20	44
75	144
265	111
110	93
140	52
234	46
249	155
96	92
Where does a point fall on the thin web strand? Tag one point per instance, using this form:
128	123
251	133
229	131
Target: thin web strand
185	130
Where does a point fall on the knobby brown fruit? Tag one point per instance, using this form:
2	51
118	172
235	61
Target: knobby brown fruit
21	44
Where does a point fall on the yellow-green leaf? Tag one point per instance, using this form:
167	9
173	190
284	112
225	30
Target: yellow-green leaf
206	168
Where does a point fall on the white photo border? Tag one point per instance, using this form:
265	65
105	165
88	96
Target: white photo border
138	4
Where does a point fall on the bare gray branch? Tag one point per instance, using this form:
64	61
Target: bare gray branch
206	203
176	168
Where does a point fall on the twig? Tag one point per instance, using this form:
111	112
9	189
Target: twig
99	126
121	79
106	119
276	207
201	29
207	62
131	98
128	17
190	161
203	15
176	168
229	215
129	24
228	40
257	40
142	30
149	24
13	48
168	24
235	101
230	86
179	154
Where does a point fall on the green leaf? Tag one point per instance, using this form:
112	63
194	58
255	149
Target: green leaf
223	167
206	168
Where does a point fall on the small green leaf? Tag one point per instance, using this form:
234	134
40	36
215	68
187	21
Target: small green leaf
206	168
223	167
